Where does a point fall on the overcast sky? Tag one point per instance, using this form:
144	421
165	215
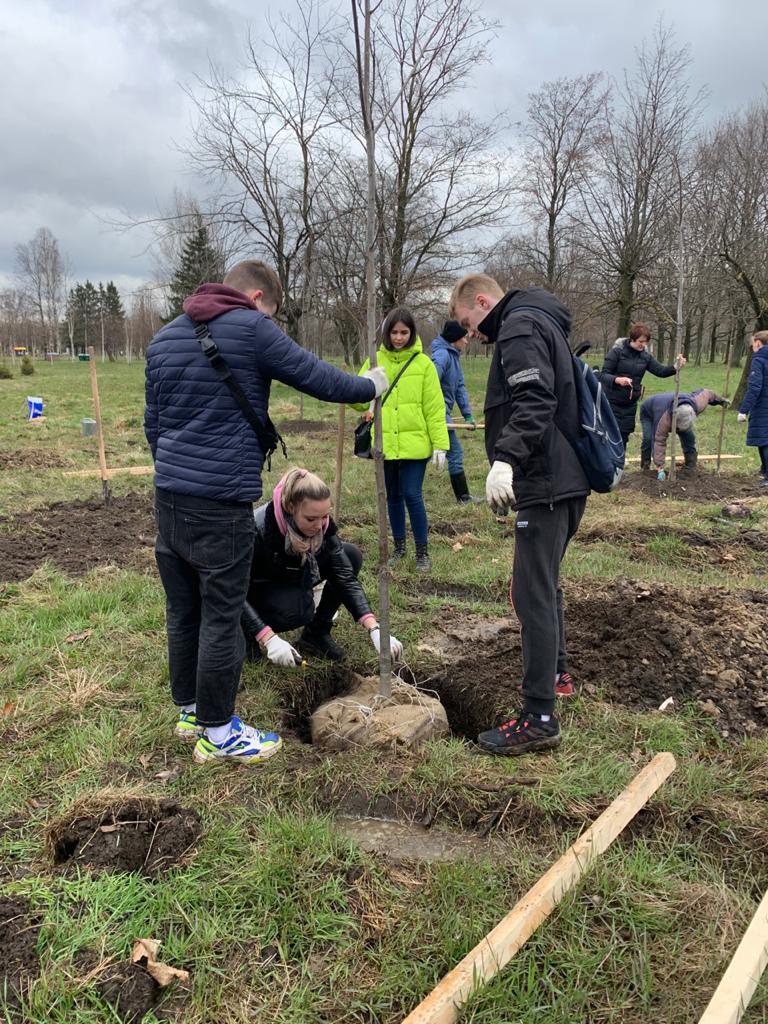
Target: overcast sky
92	110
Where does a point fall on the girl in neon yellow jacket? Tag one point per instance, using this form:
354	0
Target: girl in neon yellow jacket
413	421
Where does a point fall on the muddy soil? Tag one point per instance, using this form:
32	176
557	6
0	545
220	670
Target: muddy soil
633	643
33	458
703	486
306	427
753	540
131	991
145	836
77	536
19	931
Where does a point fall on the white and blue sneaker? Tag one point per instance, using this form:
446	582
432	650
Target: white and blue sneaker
244	744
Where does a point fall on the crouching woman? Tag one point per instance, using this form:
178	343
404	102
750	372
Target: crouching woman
297	546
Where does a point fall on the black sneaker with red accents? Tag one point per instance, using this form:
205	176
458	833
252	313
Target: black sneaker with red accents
522	735
564	685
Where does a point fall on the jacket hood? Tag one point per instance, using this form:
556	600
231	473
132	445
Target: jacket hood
211	300
536	298
404	354
762	353
440	344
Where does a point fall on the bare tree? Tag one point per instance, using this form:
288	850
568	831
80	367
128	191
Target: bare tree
260	137
627	198
565	122
41	269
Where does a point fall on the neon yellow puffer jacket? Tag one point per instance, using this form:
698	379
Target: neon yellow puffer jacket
413	416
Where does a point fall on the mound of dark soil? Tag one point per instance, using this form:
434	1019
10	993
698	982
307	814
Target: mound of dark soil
131	991
754	540
306	427
703	485
137	835
19	930
32	458
634	643
77	536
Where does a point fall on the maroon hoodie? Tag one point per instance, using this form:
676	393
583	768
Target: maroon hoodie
211	300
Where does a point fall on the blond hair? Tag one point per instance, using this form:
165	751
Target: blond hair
761	336
466	289
300	485
253	275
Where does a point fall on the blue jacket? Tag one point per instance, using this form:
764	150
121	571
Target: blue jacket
756	399
447	359
200	440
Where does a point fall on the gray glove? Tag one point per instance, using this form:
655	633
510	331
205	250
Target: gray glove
379	377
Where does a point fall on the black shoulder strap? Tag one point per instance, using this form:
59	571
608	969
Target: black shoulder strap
266	432
391	387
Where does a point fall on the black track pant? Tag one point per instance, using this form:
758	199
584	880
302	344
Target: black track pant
542	533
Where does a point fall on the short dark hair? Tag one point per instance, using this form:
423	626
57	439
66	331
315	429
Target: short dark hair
249	275
398	315
639	331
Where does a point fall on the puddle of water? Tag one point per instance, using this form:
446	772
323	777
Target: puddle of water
399	843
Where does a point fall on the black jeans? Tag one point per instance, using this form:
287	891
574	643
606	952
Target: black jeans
291	607
763	450
542	533
204	550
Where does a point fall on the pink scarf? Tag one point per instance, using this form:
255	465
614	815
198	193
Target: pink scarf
295	541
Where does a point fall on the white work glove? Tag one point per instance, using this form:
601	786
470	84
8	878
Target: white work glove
498	487
741	418
280	652
379	377
438	459
395	647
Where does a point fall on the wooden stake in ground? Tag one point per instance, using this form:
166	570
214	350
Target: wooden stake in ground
339	462
482	963
99	431
722	411
738	984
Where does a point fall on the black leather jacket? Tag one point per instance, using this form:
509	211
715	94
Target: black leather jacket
281	586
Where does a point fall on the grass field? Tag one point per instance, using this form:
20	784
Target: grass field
278	915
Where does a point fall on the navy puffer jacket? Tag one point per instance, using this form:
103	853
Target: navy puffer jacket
756	399
200	440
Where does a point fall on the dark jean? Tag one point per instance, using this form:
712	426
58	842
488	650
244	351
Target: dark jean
404	480
542	533
204	550
763	450
455	454
687	439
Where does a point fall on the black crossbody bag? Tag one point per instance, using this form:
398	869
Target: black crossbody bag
364	429
265	430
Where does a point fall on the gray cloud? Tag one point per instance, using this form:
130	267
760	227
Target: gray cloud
98	112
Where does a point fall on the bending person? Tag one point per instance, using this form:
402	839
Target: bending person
622	376
656	421
296	547
755	404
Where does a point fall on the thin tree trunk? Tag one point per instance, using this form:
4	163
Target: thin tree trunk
713	342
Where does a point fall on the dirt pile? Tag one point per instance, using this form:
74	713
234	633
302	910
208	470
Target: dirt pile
131	991
33	458
147	836
19	930
703	485
633	643
77	536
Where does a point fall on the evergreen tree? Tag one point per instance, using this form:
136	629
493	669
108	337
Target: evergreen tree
83	316
200	262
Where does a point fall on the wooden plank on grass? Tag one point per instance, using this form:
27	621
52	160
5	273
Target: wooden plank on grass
113	471
443	1004
738	984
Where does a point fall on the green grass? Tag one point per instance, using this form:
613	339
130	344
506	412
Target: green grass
278	917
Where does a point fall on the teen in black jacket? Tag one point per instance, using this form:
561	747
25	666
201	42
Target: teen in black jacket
531	412
296	547
622	376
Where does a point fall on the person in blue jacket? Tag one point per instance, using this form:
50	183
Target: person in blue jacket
208	464
755	404
446	352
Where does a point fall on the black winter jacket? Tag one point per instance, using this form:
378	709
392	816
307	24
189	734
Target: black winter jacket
531	405
281	586
625	361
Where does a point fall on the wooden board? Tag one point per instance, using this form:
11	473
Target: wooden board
443	1004
738	984
113	471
